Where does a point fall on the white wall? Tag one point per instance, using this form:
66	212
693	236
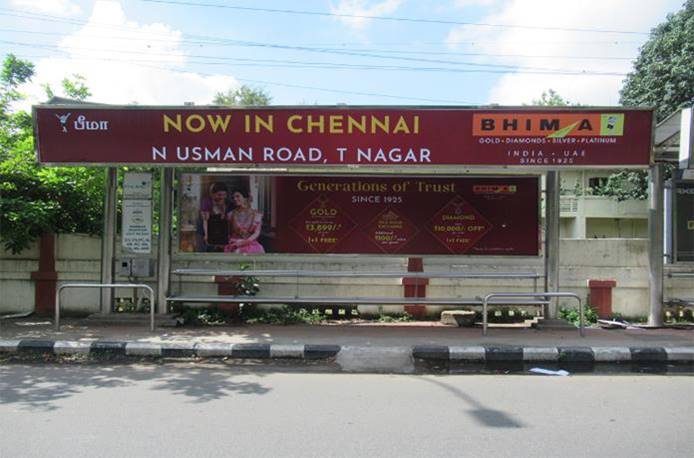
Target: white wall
623	260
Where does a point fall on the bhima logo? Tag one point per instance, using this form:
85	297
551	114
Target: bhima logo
81	123
494	189
548	125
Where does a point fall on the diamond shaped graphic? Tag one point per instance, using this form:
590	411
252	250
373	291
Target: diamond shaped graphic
390	231
322	224
458	226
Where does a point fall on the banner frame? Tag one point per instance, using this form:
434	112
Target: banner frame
177	254
320	168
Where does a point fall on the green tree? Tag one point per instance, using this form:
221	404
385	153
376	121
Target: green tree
74	88
243	96
36	200
12	125
663	74
551	98
663	77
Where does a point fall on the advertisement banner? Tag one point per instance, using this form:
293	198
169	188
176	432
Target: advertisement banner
361	215
684	221
393	136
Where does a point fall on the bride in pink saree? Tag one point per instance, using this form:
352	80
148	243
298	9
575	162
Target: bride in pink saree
244	226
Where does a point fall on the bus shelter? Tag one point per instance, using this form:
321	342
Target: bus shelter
257	183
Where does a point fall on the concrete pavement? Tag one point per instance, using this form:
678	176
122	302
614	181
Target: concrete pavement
390	335
189	409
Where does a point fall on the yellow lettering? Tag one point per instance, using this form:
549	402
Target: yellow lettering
401	126
359	125
266	124
383	125
416	124
217	122
336	124
200	123
319	123
168	123
290	124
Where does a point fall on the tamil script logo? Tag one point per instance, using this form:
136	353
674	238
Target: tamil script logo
81	123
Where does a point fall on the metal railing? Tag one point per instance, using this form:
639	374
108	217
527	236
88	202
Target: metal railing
355	273
293	273
485	304
102	286
681	274
534	276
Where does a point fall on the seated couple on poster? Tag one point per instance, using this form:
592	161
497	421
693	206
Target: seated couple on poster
230	228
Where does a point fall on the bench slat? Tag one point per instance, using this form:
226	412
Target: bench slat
351	273
352	300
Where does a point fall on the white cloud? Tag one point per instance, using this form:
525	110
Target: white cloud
55	7
125	62
363	8
517	88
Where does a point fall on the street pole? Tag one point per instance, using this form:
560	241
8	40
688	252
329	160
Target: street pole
655	244
164	246
552	239
108	240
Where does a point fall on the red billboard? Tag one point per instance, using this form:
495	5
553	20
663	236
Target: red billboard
300	136
413	215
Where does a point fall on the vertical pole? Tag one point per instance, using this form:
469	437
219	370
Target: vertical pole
164	248
108	240
552	239
655	245
668	218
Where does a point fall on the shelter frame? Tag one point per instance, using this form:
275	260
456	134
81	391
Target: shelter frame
551	248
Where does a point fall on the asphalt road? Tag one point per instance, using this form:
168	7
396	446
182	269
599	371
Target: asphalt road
216	410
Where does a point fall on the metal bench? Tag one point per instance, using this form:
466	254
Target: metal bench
503	299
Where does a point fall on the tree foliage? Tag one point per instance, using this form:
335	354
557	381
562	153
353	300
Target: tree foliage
243	96
35	200
663	74
625	185
74	87
551	98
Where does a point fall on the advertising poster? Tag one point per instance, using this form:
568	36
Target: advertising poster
360	215
387	136
684	221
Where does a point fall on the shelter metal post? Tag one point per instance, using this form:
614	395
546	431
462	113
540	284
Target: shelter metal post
655	244
108	240
552	239
164	247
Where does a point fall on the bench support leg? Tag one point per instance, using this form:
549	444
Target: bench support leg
415	287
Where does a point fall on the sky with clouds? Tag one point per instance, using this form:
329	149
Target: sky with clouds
357	52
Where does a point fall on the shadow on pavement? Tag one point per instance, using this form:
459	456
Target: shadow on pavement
483	415
40	387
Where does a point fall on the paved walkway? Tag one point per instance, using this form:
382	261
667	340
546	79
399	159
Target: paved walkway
382	335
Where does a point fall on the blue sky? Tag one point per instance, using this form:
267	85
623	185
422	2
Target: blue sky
174	51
